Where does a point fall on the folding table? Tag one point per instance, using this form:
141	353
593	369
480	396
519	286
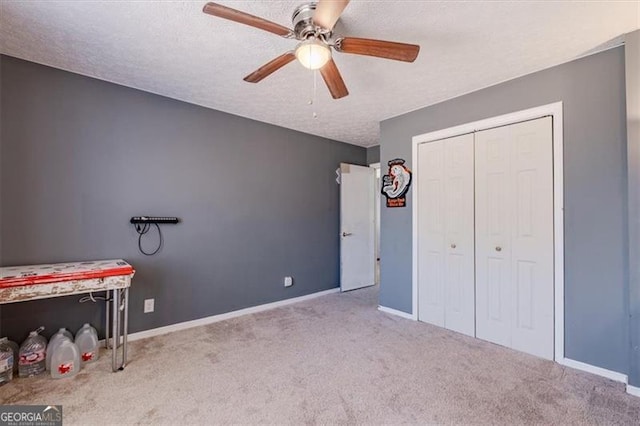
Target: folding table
33	282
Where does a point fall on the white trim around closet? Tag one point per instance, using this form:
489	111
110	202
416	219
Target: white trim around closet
554	110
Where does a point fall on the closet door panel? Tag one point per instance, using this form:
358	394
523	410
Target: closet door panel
431	233
459	235
493	235
532	237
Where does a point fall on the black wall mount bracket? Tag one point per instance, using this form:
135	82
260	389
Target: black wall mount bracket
154	219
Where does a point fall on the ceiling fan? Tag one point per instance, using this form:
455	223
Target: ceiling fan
313	27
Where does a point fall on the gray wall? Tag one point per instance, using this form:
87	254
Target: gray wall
81	156
596	279
373	154
632	76
1	58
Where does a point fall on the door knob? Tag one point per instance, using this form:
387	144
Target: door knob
498	248
453	246
347	234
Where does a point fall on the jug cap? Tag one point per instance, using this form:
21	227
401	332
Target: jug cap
36	331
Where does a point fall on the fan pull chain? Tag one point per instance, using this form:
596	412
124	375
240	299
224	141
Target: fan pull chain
312	101
315	89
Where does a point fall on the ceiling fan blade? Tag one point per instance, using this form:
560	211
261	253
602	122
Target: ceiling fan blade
333	79
328	11
270	67
380	48
221	11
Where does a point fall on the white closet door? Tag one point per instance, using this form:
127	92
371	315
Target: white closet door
431	233
514	236
445	234
532	238
459	235
493	236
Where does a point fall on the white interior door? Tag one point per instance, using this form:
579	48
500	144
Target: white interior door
514	236
459	235
493	232
376	212
377	208
431	233
445	234
357	227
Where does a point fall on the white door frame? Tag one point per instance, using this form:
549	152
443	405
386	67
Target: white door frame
554	110
376	211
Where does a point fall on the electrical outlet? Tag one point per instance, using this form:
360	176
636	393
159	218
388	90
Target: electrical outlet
149	305
288	281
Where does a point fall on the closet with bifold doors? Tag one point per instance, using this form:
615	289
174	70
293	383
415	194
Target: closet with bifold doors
485	247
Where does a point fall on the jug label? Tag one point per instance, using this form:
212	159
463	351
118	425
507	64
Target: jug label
32	357
65	368
6	364
87	356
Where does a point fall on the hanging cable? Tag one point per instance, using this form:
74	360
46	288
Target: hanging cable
91	298
142	230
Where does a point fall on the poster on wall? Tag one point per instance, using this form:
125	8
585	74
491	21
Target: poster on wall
395	183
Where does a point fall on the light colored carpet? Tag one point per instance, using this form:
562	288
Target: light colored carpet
333	359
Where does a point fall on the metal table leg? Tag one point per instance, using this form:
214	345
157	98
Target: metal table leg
115	305
106	314
119	297
125	328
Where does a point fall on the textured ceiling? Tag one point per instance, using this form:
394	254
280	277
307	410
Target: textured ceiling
173	49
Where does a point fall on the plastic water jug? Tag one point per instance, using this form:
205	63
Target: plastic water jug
62	333
6	361
87	342
66	333
65	361
32	354
85	328
14	346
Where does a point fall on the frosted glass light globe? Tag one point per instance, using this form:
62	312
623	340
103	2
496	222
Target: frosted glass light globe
313	54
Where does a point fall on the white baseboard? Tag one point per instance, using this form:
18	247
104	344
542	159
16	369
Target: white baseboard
613	375
395	312
228	315
632	390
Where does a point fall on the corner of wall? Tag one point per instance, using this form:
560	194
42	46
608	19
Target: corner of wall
1	119
632	80
373	154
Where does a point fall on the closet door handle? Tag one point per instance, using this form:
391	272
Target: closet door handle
453	246
498	248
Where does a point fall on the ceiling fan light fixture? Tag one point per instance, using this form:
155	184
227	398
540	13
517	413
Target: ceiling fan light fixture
313	53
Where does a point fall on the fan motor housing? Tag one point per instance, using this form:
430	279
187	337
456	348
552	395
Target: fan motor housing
303	26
